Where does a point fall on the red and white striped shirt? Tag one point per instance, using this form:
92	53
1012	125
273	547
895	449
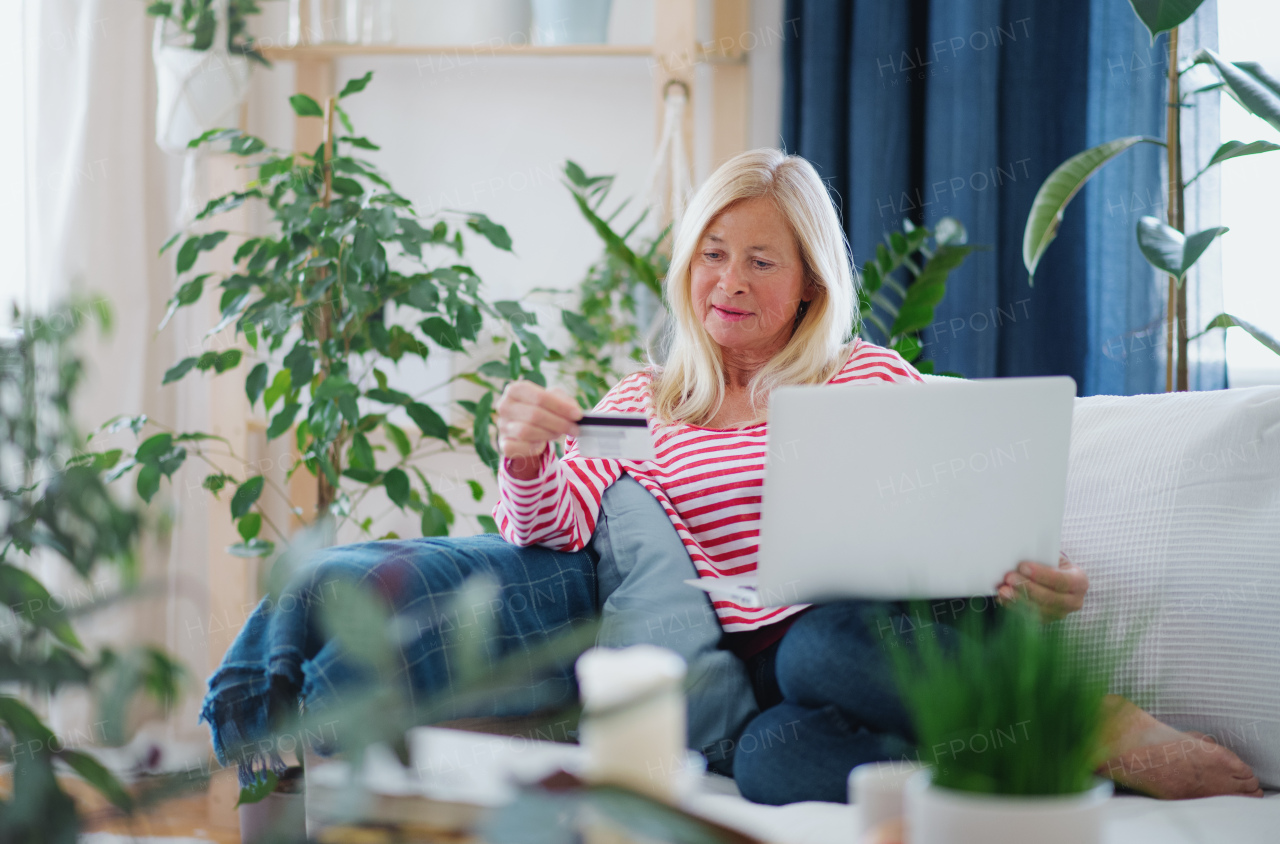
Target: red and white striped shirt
708	480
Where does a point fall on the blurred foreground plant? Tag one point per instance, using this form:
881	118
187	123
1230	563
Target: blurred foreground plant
52	507
1013	708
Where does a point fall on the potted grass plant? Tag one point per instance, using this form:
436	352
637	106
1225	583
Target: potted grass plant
1009	721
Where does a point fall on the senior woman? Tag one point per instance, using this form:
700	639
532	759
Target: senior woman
762	295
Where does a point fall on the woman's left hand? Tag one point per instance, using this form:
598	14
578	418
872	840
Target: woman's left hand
1057	592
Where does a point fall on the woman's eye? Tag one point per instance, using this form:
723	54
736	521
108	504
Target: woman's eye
711	256
761	265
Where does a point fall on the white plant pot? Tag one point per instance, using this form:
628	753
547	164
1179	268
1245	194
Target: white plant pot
279	817
944	816
571	21
196	90
474	22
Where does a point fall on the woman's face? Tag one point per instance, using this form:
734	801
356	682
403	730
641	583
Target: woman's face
747	278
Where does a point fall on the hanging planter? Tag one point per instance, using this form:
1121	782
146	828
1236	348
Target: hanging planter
571	21
202	68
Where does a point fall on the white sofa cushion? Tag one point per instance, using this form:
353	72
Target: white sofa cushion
1173	509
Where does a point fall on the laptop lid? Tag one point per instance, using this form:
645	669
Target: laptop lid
890	491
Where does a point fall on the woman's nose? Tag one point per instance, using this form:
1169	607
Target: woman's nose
731	281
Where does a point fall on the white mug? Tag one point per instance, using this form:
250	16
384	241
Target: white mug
876	789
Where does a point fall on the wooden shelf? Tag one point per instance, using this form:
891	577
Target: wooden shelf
337	51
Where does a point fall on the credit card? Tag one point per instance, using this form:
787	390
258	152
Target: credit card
620	437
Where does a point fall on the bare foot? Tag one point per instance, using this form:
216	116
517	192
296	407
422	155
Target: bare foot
1153	758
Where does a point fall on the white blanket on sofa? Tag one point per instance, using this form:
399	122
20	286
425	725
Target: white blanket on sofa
1173	509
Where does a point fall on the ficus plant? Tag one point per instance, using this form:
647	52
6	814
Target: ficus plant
348	282
1165	243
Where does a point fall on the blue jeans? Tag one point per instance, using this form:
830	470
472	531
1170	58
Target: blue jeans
828	699
285	653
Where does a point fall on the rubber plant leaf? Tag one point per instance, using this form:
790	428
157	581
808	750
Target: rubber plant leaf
1059	189
1169	250
1235	149
1229	321
1163	15
1249	84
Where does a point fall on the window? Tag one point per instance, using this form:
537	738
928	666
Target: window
13	198
1251	282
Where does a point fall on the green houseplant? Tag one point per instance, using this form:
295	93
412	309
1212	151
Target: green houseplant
55	507
928	257
1011	715
1164	244
612	324
349	282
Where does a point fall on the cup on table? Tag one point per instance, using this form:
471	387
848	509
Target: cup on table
876	789
633	717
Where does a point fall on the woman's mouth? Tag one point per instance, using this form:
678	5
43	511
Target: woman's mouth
730	314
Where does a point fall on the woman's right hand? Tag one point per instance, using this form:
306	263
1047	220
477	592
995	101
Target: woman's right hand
529	417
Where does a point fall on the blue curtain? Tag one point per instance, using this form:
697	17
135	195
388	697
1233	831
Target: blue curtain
920	109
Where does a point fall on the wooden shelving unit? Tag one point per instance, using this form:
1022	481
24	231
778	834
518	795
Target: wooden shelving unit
311	52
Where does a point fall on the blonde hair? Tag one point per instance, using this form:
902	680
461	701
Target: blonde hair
691	386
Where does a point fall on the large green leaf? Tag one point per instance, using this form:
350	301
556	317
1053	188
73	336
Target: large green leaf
355	86
1168	249
28	599
1229	321
484	445
428	421
178	370
304	106
247	494
396	482
96	774
1059	189
255	383
1235	149
1260	73
1163	15
282	420
494	233
1249	84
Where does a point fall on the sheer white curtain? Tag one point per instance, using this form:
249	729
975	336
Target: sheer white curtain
101	200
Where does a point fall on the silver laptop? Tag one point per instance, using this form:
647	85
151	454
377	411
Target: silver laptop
886	491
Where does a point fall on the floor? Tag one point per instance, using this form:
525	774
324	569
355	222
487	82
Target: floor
209	815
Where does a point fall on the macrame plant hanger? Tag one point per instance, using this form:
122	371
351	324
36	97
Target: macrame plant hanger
670	186
669	180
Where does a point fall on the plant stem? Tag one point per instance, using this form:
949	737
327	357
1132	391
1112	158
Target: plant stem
326	493
1176	318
